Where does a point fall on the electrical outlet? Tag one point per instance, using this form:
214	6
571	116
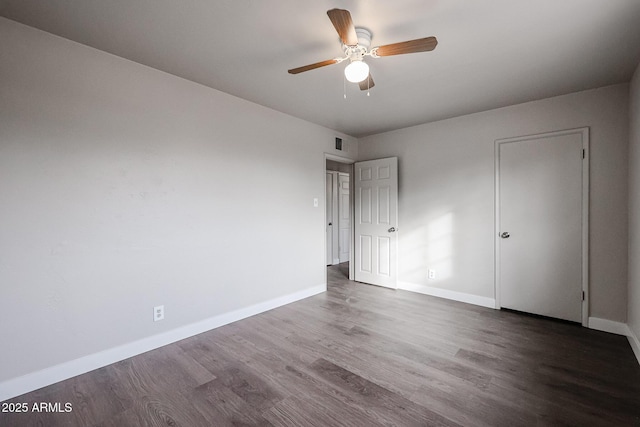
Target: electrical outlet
431	274
158	313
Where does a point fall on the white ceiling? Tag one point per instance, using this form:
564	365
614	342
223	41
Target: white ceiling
491	53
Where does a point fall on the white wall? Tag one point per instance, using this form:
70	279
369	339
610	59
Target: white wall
634	211
446	192
122	188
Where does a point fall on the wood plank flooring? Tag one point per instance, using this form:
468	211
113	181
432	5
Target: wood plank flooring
362	355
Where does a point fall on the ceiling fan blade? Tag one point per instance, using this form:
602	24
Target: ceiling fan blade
412	46
367	83
312	66
341	19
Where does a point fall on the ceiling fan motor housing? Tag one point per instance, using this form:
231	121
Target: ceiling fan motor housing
364	37
357	52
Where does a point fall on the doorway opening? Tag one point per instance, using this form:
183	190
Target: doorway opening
339	214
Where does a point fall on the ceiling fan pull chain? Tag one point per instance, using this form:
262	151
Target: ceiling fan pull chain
344	85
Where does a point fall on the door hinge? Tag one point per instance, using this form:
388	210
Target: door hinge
583	153
582	295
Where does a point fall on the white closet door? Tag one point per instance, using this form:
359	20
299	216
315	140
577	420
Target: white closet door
541	224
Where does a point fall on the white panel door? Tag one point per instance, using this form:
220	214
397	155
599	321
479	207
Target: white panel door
540	231
376	221
343	216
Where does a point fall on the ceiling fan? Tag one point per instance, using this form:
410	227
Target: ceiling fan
356	42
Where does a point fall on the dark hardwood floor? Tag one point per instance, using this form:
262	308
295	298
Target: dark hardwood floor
362	356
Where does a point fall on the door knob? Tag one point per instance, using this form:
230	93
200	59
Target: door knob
391	230
505	235
330	223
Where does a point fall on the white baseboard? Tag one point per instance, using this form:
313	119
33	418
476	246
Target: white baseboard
635	343
447	294
610	326
35	380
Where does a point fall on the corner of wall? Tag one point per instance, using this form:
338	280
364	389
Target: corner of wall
635	343
633	287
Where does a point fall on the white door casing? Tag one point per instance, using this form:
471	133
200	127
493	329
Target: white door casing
542	224
344	227
329	217
335	218
376	221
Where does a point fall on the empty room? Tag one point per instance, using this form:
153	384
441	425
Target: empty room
285	213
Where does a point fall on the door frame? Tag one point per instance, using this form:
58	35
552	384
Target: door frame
331	205
350	162
584	133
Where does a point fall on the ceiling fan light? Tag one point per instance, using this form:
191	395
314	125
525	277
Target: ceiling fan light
357	71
